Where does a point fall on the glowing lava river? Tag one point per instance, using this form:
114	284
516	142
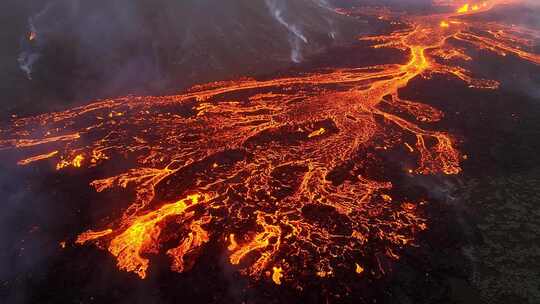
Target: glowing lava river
290	177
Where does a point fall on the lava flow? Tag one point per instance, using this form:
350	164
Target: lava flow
284	174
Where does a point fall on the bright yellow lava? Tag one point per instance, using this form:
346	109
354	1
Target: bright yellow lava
463	9
277	275
233	245
319	132
359	269
76	162
140	236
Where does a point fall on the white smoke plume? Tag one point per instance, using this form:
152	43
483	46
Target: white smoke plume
332	29
297	38
26	60
30	44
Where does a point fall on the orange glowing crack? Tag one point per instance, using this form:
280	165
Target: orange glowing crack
24	143
32	159
409	147
233	245
319	132
260	242
497	47
195	239
92	235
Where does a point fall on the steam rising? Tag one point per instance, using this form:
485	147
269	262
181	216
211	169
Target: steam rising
296	38
78	50
31	44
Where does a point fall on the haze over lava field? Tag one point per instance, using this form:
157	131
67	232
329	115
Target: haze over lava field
394	161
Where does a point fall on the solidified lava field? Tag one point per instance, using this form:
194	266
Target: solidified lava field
358	177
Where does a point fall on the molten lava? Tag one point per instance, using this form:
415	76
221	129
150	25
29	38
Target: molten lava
463	9
140	236
280	172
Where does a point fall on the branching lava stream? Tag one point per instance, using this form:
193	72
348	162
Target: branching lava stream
282	172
